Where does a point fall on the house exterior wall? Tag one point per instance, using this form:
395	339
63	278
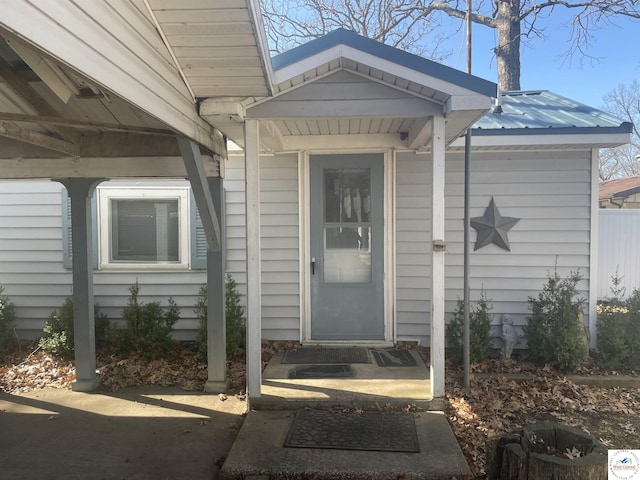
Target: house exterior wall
34	278
548	190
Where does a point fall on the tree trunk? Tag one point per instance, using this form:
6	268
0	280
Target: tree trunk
508	49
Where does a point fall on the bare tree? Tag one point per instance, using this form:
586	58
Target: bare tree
399	23
624	102
514	20
406	23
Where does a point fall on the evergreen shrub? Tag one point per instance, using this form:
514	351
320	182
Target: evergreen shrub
554	333
480	340
147	329
58	337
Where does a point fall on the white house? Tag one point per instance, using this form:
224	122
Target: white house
342	216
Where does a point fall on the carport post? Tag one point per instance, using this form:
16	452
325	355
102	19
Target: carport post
216	321
80	191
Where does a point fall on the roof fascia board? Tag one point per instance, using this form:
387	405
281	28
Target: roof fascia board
261	41
501	138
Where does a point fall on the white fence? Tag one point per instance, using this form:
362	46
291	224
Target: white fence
618	249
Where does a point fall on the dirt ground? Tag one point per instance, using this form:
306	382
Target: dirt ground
490	407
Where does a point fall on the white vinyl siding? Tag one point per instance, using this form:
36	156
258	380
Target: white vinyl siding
550	193
279	230
32	271
413	246
618	253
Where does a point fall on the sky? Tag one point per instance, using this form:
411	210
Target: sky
616	53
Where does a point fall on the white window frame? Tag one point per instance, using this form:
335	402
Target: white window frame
107	193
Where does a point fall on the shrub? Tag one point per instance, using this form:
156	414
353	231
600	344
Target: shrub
234	314
58	331
554	332
619	330
147	328
480	341
7	319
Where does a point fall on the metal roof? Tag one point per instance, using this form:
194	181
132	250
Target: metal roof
348	38
541	111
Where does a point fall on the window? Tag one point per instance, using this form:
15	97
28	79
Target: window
143	226
137	227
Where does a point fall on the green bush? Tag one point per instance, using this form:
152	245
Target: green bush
234	315
480	341
7	319
554	332
147	328
58	331
619	330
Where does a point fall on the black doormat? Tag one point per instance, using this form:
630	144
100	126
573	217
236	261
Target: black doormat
376	431
327	355
394	358
321	371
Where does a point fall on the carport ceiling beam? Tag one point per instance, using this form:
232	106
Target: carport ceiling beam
34	138
22	89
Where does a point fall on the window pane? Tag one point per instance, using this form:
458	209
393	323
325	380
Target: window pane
145	230
347	229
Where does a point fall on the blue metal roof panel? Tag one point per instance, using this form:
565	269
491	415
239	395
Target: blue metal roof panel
342	36
528	112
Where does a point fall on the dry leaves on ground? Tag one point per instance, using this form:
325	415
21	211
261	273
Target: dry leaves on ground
491	407
495	406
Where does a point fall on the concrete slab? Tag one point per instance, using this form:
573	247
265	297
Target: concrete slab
370	386
258	451
136	433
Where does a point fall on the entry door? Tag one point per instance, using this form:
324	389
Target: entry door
347	247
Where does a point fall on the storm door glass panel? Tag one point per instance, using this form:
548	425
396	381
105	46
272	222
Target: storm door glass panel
347	226
145	230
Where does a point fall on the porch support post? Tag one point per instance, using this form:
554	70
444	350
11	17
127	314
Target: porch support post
437	256
216	320
80	191
254	321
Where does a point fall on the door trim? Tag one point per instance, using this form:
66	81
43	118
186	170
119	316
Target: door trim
304	203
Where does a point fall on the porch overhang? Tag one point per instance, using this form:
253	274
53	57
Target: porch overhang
347	85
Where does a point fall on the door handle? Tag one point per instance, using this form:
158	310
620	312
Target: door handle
313	266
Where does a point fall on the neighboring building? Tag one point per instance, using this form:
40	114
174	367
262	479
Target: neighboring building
343	214
620	193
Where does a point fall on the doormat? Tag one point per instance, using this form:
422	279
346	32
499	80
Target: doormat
375	431
321	371
394	358
327	355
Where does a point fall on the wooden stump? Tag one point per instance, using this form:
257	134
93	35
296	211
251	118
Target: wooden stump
539	452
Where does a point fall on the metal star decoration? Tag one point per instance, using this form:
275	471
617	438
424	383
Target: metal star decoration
493	228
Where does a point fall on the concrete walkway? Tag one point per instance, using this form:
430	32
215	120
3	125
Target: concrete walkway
259	453
136	433
166	433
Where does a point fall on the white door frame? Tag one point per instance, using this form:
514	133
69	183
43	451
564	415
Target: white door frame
388	250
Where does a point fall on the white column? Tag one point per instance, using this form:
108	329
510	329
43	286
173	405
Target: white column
437	256
252	204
